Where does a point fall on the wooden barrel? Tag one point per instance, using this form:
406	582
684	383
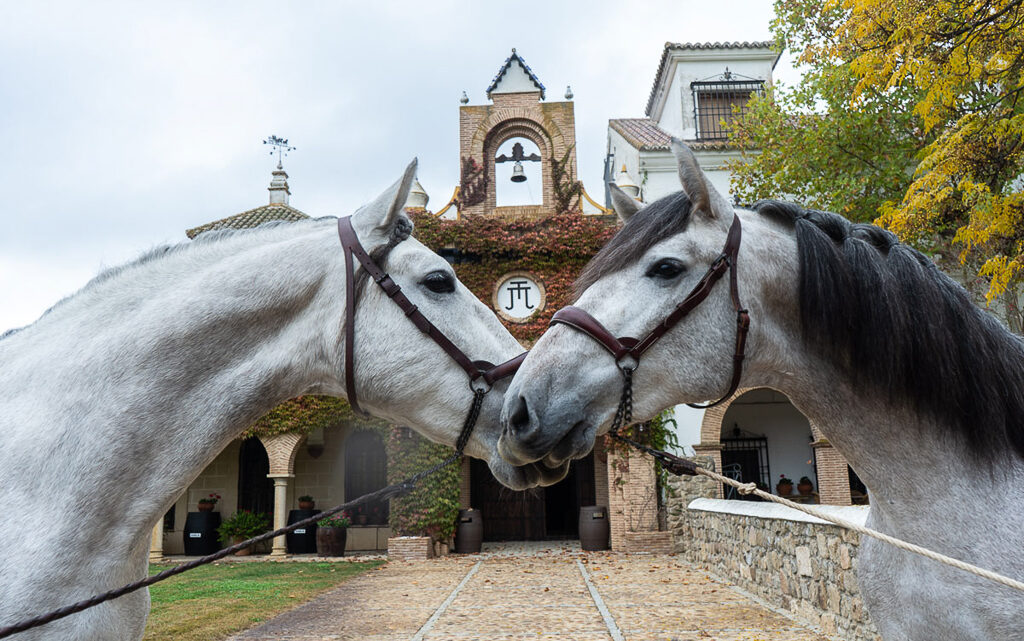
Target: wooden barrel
469	532
330	541
594	528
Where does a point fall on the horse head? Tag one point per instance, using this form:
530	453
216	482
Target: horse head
400	372
568	388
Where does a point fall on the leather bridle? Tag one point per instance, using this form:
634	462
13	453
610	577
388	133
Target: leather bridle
627	351
482	374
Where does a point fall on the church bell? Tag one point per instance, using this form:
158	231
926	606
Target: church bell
518	175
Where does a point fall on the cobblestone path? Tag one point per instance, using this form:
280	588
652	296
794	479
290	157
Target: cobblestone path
547	593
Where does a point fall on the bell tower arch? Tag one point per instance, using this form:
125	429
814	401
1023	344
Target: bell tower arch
517	110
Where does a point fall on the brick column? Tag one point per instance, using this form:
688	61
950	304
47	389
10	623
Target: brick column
833	474
280	511
465	485
156	542
632	496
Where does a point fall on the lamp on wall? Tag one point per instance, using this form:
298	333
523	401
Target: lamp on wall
315	442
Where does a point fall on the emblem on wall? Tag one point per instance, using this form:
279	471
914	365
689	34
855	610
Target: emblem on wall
518	296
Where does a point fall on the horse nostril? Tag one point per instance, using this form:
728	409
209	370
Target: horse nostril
520	418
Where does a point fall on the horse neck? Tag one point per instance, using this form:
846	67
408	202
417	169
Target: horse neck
161	366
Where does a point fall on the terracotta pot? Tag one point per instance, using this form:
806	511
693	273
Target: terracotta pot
306	505
246	552
330	541
206	507
805	489
361	519
784	489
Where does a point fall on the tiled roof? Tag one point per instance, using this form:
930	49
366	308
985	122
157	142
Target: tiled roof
505	67
642	133
251	218
682	46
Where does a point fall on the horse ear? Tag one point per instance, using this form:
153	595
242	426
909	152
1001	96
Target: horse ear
624	204
695	183
386	214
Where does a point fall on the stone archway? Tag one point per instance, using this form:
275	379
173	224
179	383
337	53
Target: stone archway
831	467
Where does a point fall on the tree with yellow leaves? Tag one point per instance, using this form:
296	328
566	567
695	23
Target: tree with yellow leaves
950	73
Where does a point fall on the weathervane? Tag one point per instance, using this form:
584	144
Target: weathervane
280	147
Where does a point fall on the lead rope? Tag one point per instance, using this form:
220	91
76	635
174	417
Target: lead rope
680	466
389	492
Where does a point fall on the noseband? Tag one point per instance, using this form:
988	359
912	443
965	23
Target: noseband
627	351
482	375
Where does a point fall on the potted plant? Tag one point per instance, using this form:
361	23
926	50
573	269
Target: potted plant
805	487
306	502
242	525
207	502
785	486
331	534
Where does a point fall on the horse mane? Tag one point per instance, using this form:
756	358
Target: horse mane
893	322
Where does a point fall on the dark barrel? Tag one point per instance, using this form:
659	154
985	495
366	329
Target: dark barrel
201	533
594	528
302	540
469	532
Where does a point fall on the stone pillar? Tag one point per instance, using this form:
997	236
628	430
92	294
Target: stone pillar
714	451
465	485
280	511
156	542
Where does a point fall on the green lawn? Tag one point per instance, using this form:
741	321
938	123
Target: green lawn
213	601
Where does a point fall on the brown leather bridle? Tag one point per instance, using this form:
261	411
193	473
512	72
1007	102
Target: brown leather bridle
482	374
627	351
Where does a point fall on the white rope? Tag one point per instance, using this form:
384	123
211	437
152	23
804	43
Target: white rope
751	488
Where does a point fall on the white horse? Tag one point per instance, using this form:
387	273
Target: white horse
118	397
920	390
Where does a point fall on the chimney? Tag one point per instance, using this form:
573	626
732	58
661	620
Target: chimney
279	187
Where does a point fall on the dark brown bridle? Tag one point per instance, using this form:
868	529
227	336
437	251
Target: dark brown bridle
627	351
482	375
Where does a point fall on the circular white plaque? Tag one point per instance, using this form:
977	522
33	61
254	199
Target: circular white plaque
518	296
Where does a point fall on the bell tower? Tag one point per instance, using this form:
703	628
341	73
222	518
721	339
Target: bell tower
517	110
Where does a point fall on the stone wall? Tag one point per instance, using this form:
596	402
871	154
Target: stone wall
791	560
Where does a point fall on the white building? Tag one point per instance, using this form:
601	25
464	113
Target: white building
695	90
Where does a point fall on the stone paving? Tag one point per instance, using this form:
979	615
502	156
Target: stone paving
537	592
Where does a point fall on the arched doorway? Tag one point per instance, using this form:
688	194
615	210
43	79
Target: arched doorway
763	437
255	490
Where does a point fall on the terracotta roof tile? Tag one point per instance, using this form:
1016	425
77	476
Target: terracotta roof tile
681	46
642	133
252	218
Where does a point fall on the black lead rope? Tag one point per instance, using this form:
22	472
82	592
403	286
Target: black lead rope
383	494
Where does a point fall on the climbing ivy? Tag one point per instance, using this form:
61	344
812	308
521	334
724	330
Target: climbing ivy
431	508
303	414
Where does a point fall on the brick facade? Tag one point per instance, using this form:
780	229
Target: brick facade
632	501
410	548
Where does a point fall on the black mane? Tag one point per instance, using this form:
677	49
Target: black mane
887	316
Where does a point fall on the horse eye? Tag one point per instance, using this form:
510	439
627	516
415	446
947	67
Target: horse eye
439	282
666	269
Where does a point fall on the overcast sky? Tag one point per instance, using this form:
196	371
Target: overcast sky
126	123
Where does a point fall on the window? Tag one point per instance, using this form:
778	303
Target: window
713	103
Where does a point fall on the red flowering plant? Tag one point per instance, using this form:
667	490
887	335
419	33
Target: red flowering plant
211	499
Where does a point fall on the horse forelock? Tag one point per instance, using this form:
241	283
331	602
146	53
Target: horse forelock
649	226
887	316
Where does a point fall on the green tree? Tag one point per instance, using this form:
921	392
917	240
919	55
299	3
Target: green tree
909	114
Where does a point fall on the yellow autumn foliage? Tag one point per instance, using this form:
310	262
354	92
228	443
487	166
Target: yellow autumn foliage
965	62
